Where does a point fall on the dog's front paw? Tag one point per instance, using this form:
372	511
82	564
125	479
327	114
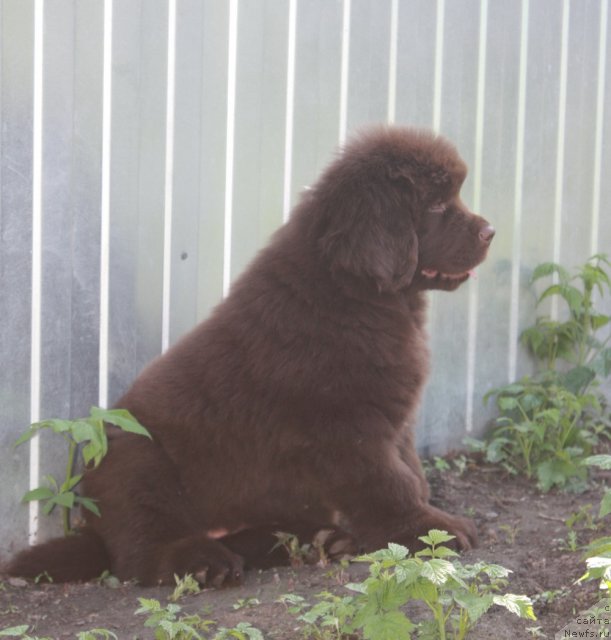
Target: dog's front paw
208	561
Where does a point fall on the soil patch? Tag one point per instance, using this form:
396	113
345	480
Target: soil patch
519	528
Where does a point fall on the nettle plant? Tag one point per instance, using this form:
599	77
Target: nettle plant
598	553
550	422
456	596
87	435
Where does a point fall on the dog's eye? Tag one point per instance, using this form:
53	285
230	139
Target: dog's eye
439	207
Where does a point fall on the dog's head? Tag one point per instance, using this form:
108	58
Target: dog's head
391	213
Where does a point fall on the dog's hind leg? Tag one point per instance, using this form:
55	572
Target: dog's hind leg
151	526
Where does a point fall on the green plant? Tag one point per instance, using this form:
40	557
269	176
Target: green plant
90	435
456	596
184	586
245	603
511	532
441	464
602	462
329	619
242	631
94	634
167	624
552	421
545	431
598	552
43	577
19	632
296	551
106	579
550	596
457	464
574	340
571	543
582	517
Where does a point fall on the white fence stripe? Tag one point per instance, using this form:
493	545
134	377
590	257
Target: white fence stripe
345	70
392	62
518	198
169	176
438	79
600	112
105	204
560	145
230	143
477	204
36	328
290	109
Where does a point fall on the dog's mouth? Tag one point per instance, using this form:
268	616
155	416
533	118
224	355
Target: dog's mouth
432	274
435	279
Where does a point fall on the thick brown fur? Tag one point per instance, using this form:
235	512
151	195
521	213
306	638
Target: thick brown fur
291	407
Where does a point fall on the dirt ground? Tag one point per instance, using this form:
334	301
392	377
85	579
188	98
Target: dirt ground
519	528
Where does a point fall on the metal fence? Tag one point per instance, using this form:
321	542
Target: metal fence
149	147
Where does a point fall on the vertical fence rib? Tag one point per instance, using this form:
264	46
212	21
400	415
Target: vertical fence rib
392	62
105	204
230	141
438	78
290	110
518	197
477	201
600	112
169	175
560	146
36	328
345	70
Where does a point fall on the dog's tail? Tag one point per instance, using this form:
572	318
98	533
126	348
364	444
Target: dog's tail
76	558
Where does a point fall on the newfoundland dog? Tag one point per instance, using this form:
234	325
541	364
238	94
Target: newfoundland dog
291	408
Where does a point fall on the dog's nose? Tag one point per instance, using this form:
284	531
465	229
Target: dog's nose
486	234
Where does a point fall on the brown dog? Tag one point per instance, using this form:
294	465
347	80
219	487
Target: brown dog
290	407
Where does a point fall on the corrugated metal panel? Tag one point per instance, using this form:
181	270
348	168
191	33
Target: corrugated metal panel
150	147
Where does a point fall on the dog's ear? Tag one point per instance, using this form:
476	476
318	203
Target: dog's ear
373	240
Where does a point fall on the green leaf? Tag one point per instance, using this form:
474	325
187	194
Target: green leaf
407	572
475	604
392	625
89	504
437	570
572	296
605	504
436	536
14	632
507	403
397	551
57	426
40	493
120	418
602	363
495	571
438	552
92	634
520	605
65	499
70	483
555	472
601	461
83	431
547	269
598	320
577	379
531	401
